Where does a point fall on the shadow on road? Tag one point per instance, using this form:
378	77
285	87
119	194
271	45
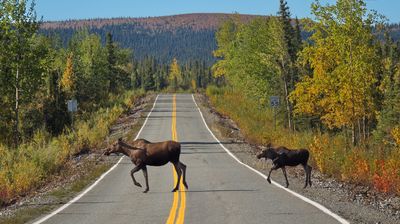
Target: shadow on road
221	190
210	143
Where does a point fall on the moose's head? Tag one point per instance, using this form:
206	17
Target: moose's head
113	148
266	153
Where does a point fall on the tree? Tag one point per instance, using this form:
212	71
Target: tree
291	44
111	62
225	38
175	75
341	88
68	80
289	32
90	69
20	59
389	115
297	37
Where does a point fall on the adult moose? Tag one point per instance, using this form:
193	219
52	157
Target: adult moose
282	156
144	153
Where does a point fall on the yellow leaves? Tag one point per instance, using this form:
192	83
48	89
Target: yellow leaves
303	96
317	150
340	90
396	135
175	75
68	79
194	85
219	68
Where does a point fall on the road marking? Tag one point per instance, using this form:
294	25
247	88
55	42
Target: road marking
172	212
182	208
181	212
97	181
315	204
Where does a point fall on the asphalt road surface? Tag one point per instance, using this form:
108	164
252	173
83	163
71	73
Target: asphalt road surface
220	189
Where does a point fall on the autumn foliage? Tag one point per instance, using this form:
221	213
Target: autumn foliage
339	94
331	155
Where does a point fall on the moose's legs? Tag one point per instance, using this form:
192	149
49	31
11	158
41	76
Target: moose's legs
284	173
134	170
270	171
307	170
183	167
144	169
179	172
309	175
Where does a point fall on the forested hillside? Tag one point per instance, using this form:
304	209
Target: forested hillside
185	37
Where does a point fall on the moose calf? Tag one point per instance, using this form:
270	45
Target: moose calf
282	156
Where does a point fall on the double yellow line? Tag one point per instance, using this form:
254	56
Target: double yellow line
181	212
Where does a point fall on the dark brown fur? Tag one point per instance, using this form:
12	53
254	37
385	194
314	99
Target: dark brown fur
282	156
144	153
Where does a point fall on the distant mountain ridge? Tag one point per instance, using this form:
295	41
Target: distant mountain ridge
195	21
185	37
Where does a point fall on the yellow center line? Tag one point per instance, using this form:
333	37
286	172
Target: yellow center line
182	208
172	212
181	213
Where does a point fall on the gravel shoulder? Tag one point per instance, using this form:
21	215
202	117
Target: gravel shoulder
78	173
356	203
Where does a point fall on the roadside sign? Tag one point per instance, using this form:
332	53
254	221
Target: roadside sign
274	101
72	105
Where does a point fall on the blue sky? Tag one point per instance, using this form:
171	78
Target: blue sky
83	9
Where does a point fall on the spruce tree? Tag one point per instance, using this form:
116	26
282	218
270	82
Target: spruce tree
111	63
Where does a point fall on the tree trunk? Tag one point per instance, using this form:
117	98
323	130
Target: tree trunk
288	108
353	134
359	129
16	131
286	88
364	123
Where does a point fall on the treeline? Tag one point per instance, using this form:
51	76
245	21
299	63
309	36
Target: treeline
184	43
150	74
339	90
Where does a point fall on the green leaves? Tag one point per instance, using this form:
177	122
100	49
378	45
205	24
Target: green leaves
21	66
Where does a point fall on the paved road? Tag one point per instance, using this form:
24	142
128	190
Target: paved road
220	189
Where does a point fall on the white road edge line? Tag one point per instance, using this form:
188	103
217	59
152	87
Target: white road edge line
315	204
97	181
